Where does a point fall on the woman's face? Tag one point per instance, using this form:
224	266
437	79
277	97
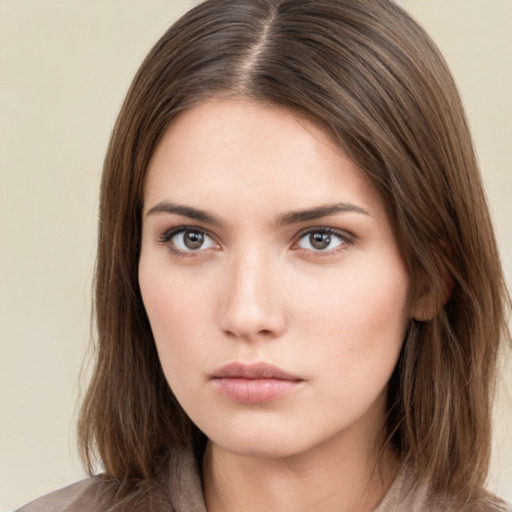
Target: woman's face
275	289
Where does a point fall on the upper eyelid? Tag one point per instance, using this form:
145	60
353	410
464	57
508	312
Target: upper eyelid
169	233
193	227
342	233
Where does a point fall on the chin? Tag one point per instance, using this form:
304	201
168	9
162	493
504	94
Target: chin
264	441
262	448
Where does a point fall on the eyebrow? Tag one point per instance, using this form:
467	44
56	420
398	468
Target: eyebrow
184	211
319	212
293	217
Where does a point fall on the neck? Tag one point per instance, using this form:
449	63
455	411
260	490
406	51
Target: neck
339	475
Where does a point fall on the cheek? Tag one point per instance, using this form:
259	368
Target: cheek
355	330
179	316
357	318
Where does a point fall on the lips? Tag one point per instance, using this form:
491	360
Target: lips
254	383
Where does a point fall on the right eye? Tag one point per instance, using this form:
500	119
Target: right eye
188	240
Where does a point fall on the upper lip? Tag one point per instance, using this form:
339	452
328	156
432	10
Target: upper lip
259	370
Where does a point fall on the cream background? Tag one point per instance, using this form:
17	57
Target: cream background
64	68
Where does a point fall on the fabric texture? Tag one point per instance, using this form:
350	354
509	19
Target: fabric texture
179	490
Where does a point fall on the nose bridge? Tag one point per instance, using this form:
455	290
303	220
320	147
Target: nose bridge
251	305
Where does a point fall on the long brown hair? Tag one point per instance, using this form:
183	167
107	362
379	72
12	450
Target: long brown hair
372	76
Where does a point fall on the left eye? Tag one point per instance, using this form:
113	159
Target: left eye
190	240
321	240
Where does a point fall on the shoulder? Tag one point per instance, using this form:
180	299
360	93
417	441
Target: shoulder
405	495
99	494
489	503
83	496
177	486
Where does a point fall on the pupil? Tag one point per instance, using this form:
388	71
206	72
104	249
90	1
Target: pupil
193	240
320	240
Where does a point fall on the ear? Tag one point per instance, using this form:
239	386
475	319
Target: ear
430	301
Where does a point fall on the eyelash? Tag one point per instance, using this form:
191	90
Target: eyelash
345	238
168	235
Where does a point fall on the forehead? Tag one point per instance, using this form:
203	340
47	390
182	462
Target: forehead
224	151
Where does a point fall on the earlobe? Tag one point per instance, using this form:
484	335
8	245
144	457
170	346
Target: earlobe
424	308
432	300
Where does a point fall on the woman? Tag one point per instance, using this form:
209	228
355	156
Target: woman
298	294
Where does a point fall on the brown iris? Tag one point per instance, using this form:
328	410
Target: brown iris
193	239
320	241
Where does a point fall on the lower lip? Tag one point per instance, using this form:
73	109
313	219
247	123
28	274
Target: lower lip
254	391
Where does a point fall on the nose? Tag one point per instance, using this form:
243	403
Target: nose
251	308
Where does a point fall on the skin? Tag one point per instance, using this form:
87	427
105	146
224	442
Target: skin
255	288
